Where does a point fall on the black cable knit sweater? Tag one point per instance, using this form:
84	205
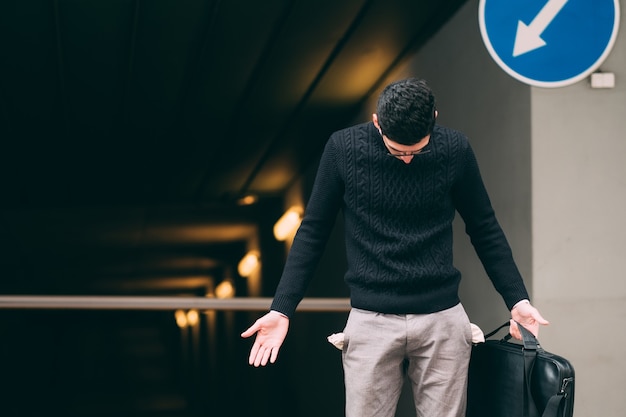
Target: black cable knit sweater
398	225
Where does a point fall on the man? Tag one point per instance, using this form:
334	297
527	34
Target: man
399	181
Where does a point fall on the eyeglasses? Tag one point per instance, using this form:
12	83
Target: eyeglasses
413	153
400	154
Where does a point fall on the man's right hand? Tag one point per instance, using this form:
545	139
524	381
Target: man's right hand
271	330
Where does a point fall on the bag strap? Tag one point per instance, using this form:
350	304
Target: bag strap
530	355
556	403
553	406
488	335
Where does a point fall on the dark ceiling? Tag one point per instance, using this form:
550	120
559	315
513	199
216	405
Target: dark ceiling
130	128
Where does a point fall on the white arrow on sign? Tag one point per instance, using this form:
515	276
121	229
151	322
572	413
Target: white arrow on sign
528	37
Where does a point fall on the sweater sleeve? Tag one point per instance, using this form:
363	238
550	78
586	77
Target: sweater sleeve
312	236
473	204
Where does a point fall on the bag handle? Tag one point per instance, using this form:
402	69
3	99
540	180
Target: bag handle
528	339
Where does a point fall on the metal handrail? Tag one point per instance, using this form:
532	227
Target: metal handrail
71	302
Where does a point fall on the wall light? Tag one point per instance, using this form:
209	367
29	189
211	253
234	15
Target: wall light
247	200
248	264
192	318
186	319
181	318
289	222
225	289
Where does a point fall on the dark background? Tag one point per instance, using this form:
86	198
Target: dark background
129	132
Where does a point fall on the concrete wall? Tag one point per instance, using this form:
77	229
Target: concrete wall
579	230
554	162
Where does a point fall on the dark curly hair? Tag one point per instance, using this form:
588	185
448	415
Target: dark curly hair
406	111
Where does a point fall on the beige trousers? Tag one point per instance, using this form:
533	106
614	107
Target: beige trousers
432	350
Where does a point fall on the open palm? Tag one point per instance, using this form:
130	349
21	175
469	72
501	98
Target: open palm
271	330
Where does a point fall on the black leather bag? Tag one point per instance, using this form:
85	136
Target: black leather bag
509	379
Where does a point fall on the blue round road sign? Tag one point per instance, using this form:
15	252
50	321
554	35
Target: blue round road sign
549	43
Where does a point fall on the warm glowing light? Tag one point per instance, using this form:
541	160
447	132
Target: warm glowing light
181	318
226	289
192	317
186	319
247	200
248	264
287	225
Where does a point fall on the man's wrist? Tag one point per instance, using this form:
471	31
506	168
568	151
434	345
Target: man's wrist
524	301
278	312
